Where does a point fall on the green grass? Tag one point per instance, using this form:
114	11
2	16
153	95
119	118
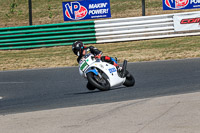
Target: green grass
147	50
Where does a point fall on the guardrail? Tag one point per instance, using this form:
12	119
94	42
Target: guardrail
46	35
99	31
138	28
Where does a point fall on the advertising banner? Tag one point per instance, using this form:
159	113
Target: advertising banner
180	4
86	9
187	22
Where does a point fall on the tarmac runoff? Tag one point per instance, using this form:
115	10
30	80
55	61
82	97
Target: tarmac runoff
167	114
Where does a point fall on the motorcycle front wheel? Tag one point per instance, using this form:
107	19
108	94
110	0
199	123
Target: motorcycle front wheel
100	83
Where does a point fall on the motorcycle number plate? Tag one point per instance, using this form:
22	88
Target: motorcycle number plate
84	65
112	70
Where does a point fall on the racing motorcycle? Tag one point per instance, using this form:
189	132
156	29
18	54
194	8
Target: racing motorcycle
102	75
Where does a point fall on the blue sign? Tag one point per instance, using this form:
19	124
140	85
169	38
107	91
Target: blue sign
86	9
180	4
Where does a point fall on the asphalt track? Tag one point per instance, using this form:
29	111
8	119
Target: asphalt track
41	89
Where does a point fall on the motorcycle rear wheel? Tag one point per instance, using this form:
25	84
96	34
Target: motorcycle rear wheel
101	84
130	80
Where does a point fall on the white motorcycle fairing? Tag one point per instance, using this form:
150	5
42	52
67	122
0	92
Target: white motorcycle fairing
90	64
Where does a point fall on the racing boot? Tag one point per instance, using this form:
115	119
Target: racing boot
122	70
119	69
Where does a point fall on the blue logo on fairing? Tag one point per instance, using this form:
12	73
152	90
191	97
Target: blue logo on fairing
111	70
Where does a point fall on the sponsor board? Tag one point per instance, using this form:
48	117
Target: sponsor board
187	22
180	4
86	9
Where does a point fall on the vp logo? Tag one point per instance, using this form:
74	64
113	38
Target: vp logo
176	4
75	11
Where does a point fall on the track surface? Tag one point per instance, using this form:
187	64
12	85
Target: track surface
32	90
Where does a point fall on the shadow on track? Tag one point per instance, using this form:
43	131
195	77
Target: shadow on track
98	91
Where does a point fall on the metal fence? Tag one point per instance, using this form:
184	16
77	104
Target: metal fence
138	28
46	35
99	31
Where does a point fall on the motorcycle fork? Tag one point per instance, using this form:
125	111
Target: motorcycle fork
98	73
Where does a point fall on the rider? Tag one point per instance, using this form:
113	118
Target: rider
80	50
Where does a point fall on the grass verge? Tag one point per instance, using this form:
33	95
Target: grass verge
146	50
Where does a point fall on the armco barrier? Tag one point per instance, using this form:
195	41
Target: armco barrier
98	31
138	28
46	35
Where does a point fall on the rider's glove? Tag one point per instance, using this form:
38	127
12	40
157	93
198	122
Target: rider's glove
98	56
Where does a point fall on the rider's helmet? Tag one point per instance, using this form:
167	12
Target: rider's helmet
77	47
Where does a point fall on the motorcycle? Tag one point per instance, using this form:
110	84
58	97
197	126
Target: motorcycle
102	75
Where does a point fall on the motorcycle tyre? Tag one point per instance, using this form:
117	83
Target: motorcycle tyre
90	87
94	83
130	80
